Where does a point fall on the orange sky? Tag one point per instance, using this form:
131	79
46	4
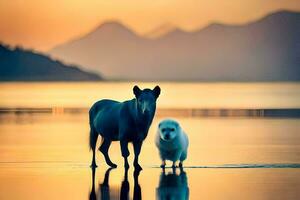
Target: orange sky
43	24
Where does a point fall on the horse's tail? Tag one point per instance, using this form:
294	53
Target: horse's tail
93	133
93	138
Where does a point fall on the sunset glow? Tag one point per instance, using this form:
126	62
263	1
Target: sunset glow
43	24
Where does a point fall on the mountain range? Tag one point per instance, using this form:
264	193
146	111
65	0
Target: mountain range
17	64
267	49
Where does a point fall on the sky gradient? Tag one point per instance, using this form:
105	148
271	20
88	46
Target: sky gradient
43	24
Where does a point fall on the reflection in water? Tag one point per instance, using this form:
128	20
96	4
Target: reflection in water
106	194
48	153
104	189
93	195
173	186
137	194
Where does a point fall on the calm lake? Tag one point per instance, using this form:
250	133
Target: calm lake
44	150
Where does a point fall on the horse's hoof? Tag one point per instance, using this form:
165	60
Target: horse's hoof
138	167
163	166
113	165
136	173
93	166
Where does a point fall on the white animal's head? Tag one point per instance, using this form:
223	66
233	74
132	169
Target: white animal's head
168	129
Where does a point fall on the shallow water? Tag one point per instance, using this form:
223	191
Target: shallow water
46	155
174	95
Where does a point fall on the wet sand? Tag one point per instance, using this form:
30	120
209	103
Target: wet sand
75	181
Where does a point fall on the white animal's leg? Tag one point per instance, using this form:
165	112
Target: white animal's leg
163	164
183	156
174	167
174	164
180	164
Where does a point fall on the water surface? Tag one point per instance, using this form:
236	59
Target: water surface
45	155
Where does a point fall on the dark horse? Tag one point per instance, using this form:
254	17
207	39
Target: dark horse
127	121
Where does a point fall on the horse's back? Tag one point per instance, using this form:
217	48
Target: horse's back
104	116
102	104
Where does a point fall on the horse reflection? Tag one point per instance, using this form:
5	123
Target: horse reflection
137	194
173	186
107	193
93	195
104	189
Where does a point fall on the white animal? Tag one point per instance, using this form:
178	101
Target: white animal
172	142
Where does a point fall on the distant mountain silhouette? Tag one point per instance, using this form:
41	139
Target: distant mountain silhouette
265	50
160	31
23	65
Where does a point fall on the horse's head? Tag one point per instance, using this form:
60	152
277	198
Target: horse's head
146	99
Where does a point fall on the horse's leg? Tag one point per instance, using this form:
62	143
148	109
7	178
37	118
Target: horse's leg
93	142
137	149
94	165
125	152
104	149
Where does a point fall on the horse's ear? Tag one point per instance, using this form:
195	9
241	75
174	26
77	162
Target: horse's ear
136	91
156	91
